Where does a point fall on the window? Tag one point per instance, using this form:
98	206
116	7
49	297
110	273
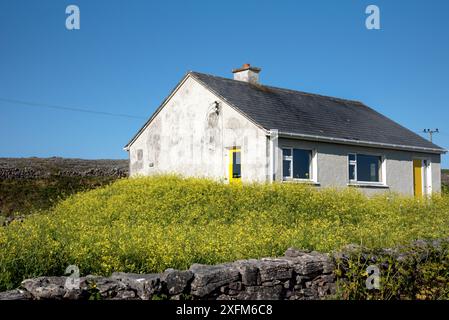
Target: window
364	168
352	167
296	163
287	162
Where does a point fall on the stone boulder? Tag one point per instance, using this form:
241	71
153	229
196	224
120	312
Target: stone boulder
175	281
209	278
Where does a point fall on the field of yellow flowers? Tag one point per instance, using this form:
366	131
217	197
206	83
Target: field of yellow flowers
149	224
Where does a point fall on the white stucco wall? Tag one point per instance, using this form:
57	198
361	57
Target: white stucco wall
332	165
188	138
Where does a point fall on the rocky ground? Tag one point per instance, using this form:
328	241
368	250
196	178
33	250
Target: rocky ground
25	168
31	184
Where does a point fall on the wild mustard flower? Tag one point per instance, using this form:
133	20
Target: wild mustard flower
149	224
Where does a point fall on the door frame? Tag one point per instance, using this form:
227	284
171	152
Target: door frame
426	176
231	163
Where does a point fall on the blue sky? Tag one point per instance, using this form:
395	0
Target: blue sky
128	55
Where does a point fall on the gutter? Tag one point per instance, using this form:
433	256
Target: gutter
360	142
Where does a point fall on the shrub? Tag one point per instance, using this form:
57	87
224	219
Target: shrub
25	196
445	189
149	224
416	271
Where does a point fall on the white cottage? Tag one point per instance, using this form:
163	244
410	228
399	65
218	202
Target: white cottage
240	130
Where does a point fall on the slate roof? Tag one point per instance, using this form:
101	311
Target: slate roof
303	113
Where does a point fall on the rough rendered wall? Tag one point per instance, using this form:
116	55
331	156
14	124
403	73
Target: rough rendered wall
332	160
187	137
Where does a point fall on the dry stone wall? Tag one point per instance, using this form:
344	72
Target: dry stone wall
418	268
298	275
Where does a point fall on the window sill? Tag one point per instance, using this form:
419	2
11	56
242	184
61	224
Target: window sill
314	183
368	185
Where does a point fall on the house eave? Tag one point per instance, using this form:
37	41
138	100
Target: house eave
360	143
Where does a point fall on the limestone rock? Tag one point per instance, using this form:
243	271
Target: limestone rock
311	264
249	272
144	285
46	287
15	294
275	269
209	278
175	281
261	293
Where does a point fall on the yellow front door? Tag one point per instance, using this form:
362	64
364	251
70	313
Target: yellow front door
417	177
235	167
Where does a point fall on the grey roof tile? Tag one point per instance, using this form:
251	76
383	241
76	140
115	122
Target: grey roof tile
311	114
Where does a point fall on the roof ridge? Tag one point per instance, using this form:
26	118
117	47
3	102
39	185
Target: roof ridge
283	89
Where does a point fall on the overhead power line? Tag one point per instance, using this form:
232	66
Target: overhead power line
65	108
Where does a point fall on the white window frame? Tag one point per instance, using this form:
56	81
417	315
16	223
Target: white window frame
289	159
312	165
382	174
352	163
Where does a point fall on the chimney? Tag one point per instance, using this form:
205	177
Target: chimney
247	73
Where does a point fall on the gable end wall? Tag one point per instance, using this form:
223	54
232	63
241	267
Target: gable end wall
187	137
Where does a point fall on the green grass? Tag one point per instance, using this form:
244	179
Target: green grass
25	196
149	224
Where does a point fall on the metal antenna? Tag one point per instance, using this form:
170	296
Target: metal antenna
431	132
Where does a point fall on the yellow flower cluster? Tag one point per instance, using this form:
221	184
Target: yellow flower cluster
150	224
